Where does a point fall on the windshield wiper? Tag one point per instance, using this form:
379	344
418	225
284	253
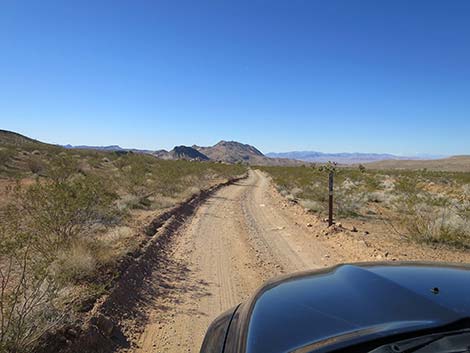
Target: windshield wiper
448	342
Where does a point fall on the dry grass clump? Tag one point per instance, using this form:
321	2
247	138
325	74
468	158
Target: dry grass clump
74	263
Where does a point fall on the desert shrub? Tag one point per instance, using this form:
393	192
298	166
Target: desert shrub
62	168
5	155
27	291
35	164
376	197
432	218
425	222
61	211
348	203
134	171
47	242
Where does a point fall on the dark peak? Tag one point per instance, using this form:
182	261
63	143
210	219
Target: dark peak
185	152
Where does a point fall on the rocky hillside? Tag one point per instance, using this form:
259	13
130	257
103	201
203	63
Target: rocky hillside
9	138
232	152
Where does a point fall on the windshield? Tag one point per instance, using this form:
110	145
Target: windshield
450	342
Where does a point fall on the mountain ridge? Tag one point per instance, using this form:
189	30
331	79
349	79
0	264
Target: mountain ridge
236	152
344	157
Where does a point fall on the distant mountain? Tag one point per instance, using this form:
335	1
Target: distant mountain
110	148
236	152
99	148
231	152
342	158
181	152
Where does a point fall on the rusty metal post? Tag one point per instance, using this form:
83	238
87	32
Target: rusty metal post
330	198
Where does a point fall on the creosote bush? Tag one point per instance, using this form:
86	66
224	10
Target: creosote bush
27	291
39	240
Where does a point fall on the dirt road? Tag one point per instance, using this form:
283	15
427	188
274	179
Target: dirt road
236	240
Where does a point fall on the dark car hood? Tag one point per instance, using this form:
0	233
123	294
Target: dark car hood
328	309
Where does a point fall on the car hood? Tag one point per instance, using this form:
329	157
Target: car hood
340	306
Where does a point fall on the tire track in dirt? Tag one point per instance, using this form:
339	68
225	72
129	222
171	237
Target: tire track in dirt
237	239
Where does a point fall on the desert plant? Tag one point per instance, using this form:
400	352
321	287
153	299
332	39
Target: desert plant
27	292
35	164
431	218
60	211
5	155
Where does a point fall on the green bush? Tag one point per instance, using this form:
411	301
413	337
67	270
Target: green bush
27	291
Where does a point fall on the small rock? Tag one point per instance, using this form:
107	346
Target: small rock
379	257
309	225
366	232
386	254
327	256
339	225
354	229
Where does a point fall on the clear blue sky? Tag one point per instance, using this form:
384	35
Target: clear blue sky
348	75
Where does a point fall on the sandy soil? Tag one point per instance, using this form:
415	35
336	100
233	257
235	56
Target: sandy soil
243	235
